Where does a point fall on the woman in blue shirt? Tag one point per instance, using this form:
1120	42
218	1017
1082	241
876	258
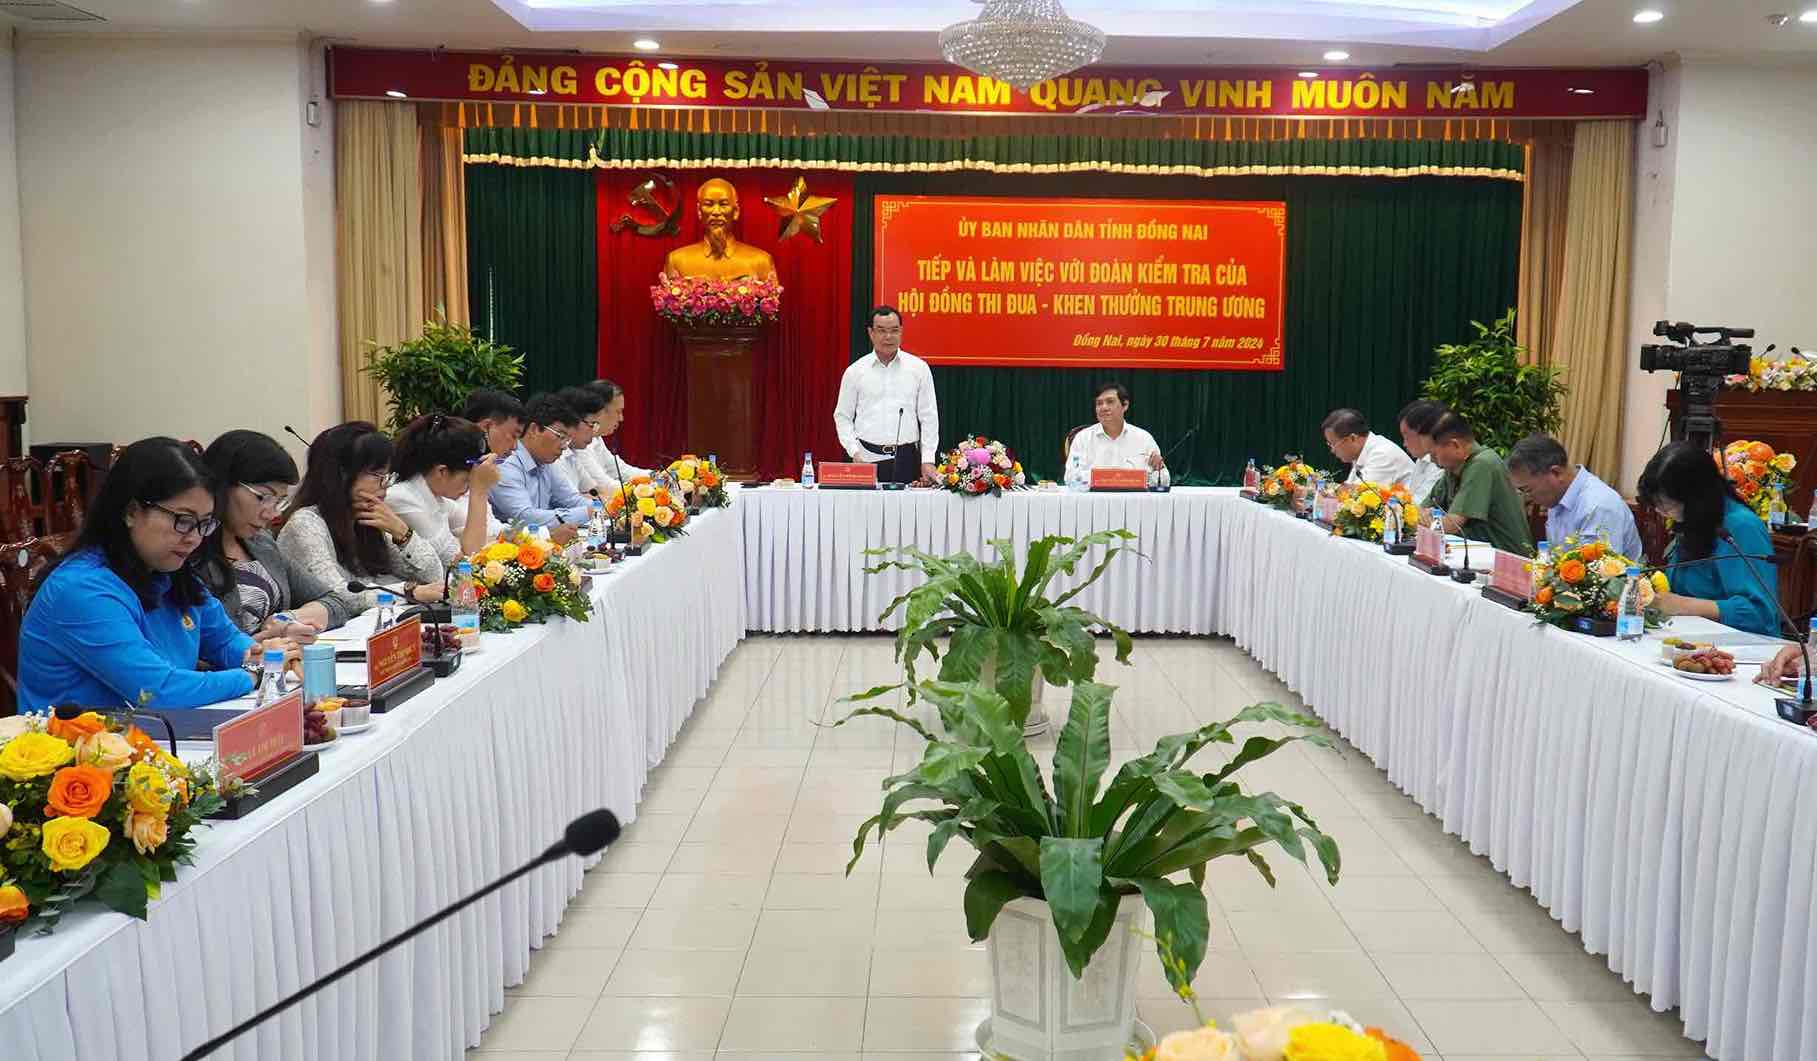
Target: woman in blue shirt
122	616
1714	526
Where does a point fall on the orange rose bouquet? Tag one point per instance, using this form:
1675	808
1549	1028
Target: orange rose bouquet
1585	581
703	478
90	807
523	580
1281	485
1364	510
648	510
1757	473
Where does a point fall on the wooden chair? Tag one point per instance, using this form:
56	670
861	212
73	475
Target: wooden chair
20	565
22	509
70	485
1066	446
1652	527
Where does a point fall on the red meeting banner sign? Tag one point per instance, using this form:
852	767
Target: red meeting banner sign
1101	283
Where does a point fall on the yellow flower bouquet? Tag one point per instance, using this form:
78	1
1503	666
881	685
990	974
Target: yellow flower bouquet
1364	510
522	580
91	807
703	478
1283	482
1757	471
654	514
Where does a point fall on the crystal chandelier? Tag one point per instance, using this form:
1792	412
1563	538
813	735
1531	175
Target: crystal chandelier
1023	42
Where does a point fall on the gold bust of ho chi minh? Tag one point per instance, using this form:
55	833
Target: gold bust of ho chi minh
719	255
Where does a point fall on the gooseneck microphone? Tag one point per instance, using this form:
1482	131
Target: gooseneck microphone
293	434
356	586
1464	575
589	833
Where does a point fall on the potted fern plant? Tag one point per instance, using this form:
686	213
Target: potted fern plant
1004	631
1490	383
436	371
1064	880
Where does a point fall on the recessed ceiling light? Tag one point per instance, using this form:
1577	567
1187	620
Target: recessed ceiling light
1336	55
645	44
1809	16
1581	91
1648	14
1309	73
395	94
667	66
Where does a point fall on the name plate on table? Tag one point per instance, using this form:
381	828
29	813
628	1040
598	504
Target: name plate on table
1510	581
1429	551
1119	478
264	748
858	475
394	665
1325	510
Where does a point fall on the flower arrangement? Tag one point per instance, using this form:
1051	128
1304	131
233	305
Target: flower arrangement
656	515
1585	580
521	580
90	806
980	465
696	301
704	478
1363	510
1283	482
1797	373
1757	471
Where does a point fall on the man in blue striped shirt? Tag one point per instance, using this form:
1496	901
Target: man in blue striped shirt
1577	503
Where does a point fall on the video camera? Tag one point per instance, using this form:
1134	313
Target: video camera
1719	356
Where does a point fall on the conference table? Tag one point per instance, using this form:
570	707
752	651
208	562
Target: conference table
1672	824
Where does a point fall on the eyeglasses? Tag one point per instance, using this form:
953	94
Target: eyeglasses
594	424
188	522
265	499
558	433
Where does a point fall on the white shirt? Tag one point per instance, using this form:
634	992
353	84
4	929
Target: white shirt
610	466
1094	448
435	519
1381	462
887	404
1426	474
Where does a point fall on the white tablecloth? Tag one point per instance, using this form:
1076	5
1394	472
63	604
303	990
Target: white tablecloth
467	781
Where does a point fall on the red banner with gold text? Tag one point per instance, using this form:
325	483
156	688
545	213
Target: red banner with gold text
1342	92
1125	283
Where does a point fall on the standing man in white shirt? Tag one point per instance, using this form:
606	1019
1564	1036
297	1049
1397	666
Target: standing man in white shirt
887	414
1113	442
1372	458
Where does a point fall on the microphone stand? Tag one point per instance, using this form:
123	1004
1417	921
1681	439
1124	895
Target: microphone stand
1791	708
608	829
624	493
1175	448
1464	575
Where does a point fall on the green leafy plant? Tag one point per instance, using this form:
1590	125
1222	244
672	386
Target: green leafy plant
437	371
1489	383
1003	627
1079	849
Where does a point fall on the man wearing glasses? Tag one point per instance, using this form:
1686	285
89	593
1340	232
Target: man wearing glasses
1372	458
887	414
1577	503
529	490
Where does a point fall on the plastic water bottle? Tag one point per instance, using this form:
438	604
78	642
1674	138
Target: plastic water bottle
1541	558
1776	510
1630	617
596	524
271	679
463	603
386	611
807	470
1252	478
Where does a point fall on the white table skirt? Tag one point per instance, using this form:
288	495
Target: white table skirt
471	779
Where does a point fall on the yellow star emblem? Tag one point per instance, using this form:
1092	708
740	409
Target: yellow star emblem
800	212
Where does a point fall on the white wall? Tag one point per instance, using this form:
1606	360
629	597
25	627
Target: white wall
1733	207
12	286
178	237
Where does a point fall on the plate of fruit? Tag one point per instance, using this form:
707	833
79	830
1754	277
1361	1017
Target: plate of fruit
1703	665
318	733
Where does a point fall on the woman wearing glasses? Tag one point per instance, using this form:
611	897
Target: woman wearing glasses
340	529
122	618
240	562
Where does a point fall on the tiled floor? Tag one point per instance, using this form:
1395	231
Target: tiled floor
722	924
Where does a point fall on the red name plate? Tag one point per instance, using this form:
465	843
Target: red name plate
259	739
398	650
860	473
1429	545
1511	576
1119	479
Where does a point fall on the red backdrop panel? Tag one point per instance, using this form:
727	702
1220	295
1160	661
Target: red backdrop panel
803	354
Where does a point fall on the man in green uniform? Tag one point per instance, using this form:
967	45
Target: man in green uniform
1476	494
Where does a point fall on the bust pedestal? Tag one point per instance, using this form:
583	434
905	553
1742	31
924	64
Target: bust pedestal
721	371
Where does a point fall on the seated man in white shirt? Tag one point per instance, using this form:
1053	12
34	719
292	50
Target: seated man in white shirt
887	414
613	468
444	476
1372	458
1112	442
577	466
1417	421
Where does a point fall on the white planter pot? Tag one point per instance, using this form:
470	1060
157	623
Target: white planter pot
1038	1011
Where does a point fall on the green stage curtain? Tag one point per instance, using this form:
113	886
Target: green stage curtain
1378	273
1019	153
532	269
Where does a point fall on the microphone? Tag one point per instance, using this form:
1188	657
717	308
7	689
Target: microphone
584	835
1175	448
1801	704
293	434
356	586
1464	575
624	493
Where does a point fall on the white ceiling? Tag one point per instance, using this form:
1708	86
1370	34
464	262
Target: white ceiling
1220	32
